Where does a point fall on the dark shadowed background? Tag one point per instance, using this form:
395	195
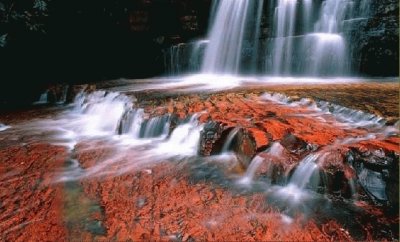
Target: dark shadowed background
79	41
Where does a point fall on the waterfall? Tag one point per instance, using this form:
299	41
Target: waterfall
364	8
313	52
275	151
173	59
229	28
43	99
156	127
196	55
131	122
63	97
251	171
4	127
332	15
307	14
302	38
284	19
184	139
229	140
301	177
183	58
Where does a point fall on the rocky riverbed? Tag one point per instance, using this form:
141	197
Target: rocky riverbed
256	162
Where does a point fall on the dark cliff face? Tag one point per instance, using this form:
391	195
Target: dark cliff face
374	41
379	40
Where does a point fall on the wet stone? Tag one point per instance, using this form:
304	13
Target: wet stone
377	173
210	134
296	145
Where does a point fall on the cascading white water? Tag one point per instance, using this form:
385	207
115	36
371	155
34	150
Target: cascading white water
294	192
172	60
184	139
229	140
131	122
333	12
110	117
307	14
327	54
284	18
226	36
224	51
182	58
297	49
343	115
101	112
301	177
155	127
251	171
304	37
4	127
275	152
353	117
43	99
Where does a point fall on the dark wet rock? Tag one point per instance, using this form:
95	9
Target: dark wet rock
295	145
378	173
277	166
223	142
374	40
213	138
210	134
245	147
336	175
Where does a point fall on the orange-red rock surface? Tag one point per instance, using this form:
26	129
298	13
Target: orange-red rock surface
168	201
31	205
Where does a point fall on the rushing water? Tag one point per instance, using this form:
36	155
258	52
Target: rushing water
229	140
4	127
343	115
305	37
301	42
113	115
229	28
43	99
284	19
324	46
120	137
